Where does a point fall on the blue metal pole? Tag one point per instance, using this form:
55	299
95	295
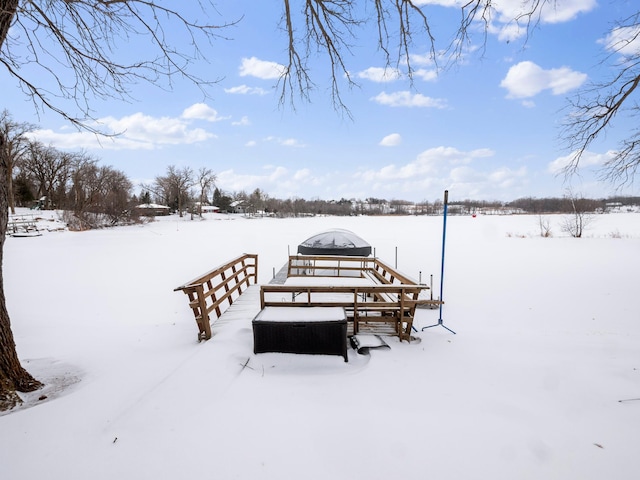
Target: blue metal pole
444	238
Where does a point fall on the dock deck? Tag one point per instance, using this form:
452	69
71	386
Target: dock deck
247	306
243	309
376	298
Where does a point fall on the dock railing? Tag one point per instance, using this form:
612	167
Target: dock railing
390	298
393	305
342	266
208	293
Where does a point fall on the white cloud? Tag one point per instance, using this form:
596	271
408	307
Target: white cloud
243	122
426	75
233	181
423	60
290	142
278	181
490	183
246	90
623	40
380	75
505	177
470	173
503	13
567	10
408	99
465	174
526	79
507	32
388	75
278	173
262	69
285	142
158	130
588	159
82	140
391	140
302	175
202	111
431	162
135	132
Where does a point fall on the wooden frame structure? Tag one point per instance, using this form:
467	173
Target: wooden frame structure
22	225
210	291
376	297
342	266
389	300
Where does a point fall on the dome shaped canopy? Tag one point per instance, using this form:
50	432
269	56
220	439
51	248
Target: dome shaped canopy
335	242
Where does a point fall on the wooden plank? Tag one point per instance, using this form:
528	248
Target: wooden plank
203	292
218	270
389	304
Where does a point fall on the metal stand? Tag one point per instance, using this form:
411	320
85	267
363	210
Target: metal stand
444	237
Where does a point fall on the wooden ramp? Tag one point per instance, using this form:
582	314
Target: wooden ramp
223	285
243	309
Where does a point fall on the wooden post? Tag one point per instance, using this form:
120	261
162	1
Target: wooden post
204	315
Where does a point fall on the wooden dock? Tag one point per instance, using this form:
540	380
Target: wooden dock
243	309
384	305
247	306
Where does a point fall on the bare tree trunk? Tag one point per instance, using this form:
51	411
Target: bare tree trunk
12	204
7	11
12	376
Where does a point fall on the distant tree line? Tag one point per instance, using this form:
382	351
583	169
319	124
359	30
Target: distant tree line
41	176
567	203
92	195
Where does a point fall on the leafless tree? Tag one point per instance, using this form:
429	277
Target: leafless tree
13	377
332	27
256	201
116	195
206	180
84	40
14	144
545	226
82	171
580	217
174	186
50	169
595	108
100	195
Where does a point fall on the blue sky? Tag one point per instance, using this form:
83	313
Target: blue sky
487	128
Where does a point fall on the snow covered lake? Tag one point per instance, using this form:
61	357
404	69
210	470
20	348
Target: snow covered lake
530	387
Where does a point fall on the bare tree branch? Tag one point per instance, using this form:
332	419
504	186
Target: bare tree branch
331	27
596	107
80	45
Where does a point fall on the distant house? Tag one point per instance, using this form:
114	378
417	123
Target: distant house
237	206
210	209
613	207
39	204
152	209
206	208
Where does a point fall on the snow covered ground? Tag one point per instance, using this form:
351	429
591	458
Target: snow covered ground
547	344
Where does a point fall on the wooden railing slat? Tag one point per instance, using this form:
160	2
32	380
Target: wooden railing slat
204	291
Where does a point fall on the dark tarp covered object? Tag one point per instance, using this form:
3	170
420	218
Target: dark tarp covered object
335	242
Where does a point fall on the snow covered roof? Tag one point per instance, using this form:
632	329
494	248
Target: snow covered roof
153	205
335	242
